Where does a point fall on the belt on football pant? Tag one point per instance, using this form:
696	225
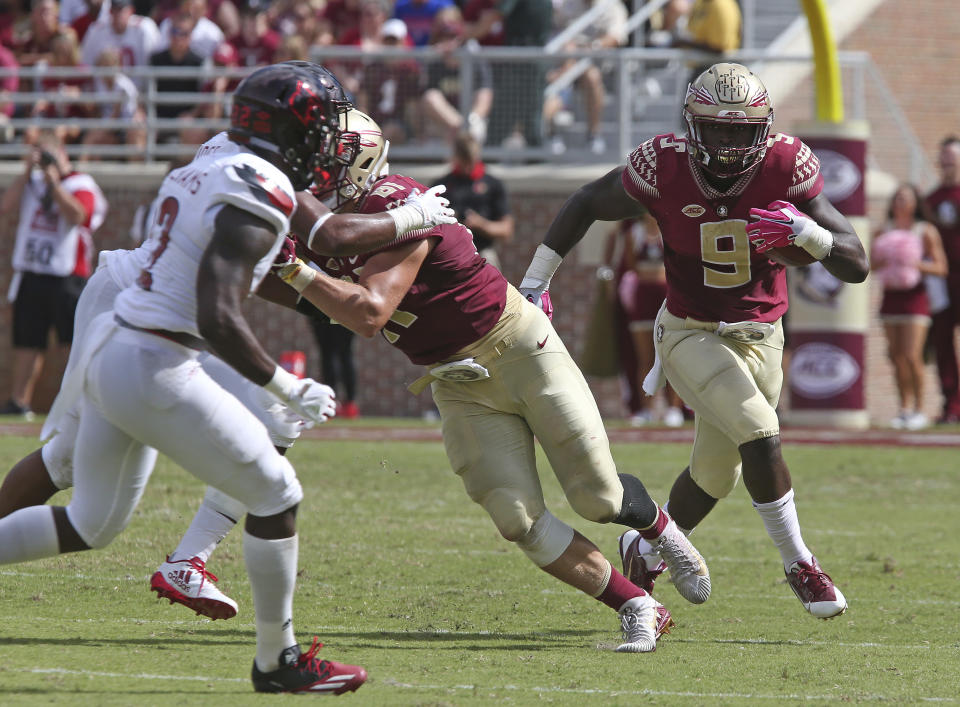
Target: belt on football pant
478	361
178	337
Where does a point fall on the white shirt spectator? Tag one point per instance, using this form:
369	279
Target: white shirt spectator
136	44
127	100
204	39
610	23
72	9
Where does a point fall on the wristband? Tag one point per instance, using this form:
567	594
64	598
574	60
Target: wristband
815	239
282	384
406	218
316	227
544	264
298	275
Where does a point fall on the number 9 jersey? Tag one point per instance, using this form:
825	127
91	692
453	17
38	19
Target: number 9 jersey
712	272
182	225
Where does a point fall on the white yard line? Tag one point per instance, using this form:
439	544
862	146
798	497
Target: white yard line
505	688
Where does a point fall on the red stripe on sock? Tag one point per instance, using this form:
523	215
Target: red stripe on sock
656	530
619	591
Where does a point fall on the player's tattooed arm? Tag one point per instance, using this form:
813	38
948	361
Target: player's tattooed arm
601	200
848	260
240	240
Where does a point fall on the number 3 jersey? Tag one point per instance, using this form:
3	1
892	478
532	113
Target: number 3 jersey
456	297
164	294
713	273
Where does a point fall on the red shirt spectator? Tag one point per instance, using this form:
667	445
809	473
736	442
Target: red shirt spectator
44	25
344	17
480	14
81	24
256	43
8	84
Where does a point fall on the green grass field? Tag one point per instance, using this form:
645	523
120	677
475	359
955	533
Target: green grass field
401	573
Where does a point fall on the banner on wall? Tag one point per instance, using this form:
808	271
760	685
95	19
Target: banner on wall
828	318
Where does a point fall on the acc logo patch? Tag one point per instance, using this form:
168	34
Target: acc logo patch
693	210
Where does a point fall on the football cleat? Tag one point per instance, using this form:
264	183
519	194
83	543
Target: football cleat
815	589
189	583
688	571
635	564
304	672
639	623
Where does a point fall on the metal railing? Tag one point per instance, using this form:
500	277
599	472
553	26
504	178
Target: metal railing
645	88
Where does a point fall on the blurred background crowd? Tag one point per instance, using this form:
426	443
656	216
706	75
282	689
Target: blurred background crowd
417	97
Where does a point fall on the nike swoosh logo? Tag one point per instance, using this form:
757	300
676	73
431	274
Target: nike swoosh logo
541	344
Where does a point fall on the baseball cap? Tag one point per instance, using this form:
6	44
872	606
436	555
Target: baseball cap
117	4
395	28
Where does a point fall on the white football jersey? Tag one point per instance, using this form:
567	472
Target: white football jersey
181	226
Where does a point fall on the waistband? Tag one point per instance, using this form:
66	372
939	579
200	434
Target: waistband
178	337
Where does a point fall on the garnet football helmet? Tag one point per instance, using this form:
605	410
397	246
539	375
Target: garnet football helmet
728	115
363	144
285	113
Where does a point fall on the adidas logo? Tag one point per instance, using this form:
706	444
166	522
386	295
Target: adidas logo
180	578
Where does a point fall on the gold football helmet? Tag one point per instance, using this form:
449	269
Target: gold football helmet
728	115
364	151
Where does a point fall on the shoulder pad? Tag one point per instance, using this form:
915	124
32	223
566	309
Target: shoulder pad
253	184
794	156
388	193
647	161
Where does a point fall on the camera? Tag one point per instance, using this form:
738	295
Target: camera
46	159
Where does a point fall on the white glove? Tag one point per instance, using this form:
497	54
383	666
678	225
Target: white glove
424	210
309	399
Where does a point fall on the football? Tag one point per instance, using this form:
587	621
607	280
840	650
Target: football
791	256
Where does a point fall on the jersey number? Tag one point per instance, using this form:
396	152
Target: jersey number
404	319
725	251
166	215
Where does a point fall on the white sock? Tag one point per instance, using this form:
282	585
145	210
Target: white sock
783	527
206	530
28	534
272	568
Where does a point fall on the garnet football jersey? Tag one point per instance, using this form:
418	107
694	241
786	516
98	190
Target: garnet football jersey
713	274
456	297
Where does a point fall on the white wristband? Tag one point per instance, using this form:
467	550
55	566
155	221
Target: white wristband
301	276
407	218
815	239
544	264
282	384
316	227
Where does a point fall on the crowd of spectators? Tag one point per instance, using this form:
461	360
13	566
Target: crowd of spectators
412	98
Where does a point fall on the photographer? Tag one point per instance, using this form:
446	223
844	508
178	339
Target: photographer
59	210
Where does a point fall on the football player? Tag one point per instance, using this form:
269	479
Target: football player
500	376
728	197
140	363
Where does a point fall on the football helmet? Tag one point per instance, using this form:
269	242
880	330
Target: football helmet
363	149
285	113
728	115
341	101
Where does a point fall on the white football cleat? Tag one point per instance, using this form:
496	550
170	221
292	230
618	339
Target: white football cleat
639	621
688	571
189	583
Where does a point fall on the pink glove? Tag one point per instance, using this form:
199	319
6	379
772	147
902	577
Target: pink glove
541	298
780	223
287	254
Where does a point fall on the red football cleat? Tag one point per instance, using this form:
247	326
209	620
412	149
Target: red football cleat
304	672
189	583
815	589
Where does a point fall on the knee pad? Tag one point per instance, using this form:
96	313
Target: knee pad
57	454
546	540
57	457
594	500
223	504
510	512
638	509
